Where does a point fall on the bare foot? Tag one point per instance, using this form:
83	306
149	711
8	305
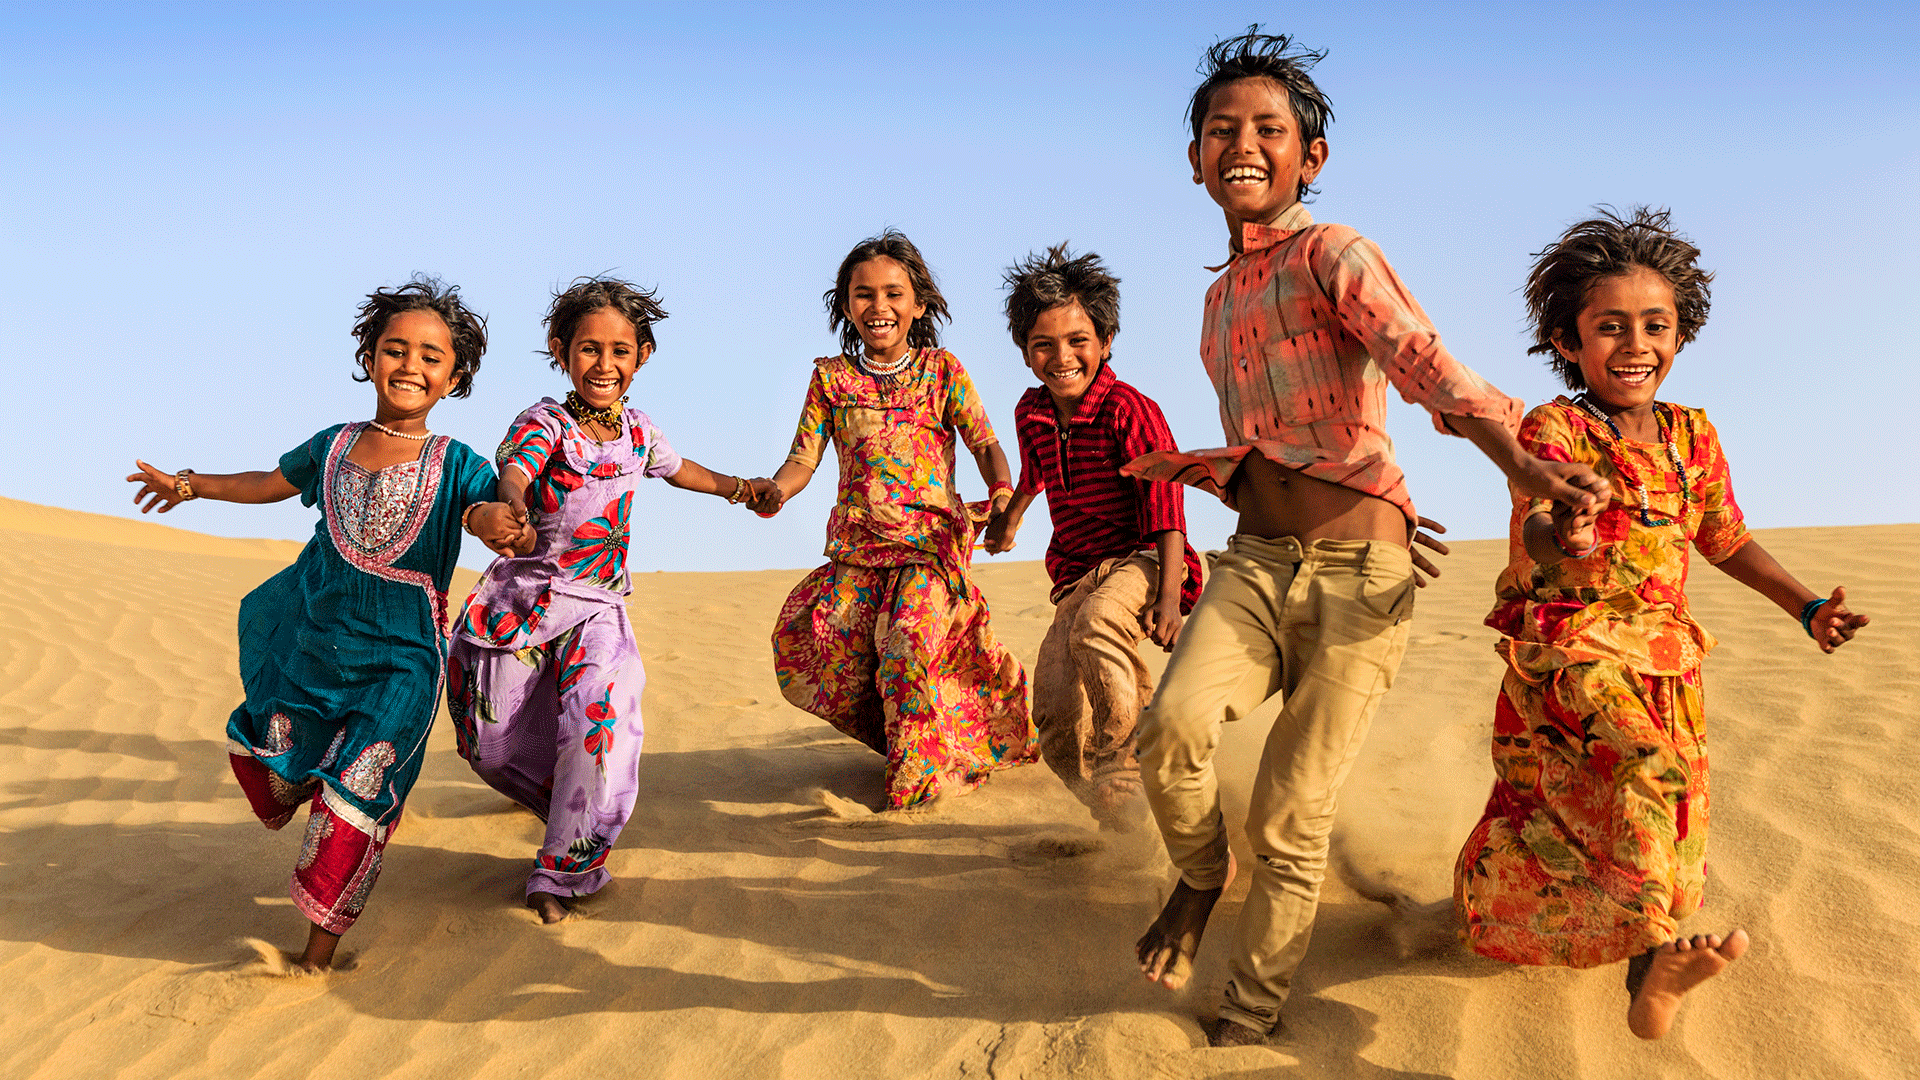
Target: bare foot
1166	949
548	907
319	954
1233	1033
1118	805
1670	971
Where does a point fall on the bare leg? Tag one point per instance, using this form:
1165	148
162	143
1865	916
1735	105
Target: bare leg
1660	977
548	906
1166	950
319	954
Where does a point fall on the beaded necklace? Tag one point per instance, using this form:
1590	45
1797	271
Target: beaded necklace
886	375
1664	424
607	417
378	426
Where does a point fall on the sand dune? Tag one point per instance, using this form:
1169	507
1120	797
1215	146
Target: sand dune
754	932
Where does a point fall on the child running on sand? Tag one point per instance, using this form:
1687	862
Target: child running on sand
1593	844
1121	567
342	653
1300	337
889	641
546	680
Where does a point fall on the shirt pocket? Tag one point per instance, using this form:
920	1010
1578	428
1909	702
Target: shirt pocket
1303	376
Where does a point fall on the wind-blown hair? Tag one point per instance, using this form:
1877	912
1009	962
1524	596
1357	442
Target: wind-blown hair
893	244
1254	55
1041	283
587	295
1607	246
468	331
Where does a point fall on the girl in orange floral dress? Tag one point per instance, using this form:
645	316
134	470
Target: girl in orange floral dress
1593	844
889	641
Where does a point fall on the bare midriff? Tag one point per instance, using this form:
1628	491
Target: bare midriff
1276	501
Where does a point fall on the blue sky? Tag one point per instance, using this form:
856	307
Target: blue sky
194	198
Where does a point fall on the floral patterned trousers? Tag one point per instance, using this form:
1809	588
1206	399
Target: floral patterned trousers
556	728
1593	845
902	658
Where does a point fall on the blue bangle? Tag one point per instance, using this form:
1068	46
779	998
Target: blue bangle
1806	614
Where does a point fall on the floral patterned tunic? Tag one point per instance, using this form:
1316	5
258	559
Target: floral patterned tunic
1627	600
897	504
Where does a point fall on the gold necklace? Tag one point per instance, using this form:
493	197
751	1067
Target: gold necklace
607	417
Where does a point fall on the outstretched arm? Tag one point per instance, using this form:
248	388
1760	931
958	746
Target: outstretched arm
694	476
1571	483
157	488
1832	624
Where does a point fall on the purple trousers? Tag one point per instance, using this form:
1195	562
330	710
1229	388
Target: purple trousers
556	728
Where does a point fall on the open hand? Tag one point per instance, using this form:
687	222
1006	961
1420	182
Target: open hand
1833	624
1423	568
156	488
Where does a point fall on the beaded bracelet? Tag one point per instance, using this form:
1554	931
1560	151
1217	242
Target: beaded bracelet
1562	545
735	496
1806	614
467	513
182	486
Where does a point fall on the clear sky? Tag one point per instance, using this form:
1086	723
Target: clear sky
194	199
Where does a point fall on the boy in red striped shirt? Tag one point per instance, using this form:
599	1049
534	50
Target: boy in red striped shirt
1121	567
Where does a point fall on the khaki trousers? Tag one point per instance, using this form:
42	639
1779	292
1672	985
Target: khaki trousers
1323	625
1089	684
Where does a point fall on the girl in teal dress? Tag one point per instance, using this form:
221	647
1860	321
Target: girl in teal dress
343	654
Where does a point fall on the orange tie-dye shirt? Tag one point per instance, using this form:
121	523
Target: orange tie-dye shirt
1301	336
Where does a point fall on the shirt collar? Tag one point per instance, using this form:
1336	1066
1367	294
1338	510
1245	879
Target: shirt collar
1255	237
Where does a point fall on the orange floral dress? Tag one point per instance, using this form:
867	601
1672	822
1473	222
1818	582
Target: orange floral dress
1593	843
889	641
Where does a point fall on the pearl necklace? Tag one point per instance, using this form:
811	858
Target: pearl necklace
1664	424
384	429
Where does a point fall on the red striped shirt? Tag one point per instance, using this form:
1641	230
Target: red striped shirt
1097	513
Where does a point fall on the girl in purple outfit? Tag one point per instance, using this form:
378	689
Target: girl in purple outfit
545	679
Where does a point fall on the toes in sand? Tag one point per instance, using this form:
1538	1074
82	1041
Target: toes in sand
1672	970
1167	949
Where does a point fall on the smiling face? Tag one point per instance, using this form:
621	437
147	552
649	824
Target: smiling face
1627	340
603	356
881	306
411	367
1250	155
1066	353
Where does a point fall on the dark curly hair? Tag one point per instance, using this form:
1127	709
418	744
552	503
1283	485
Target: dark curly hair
587	295
1041	283
469	331
892	244
1254	55
1606	246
